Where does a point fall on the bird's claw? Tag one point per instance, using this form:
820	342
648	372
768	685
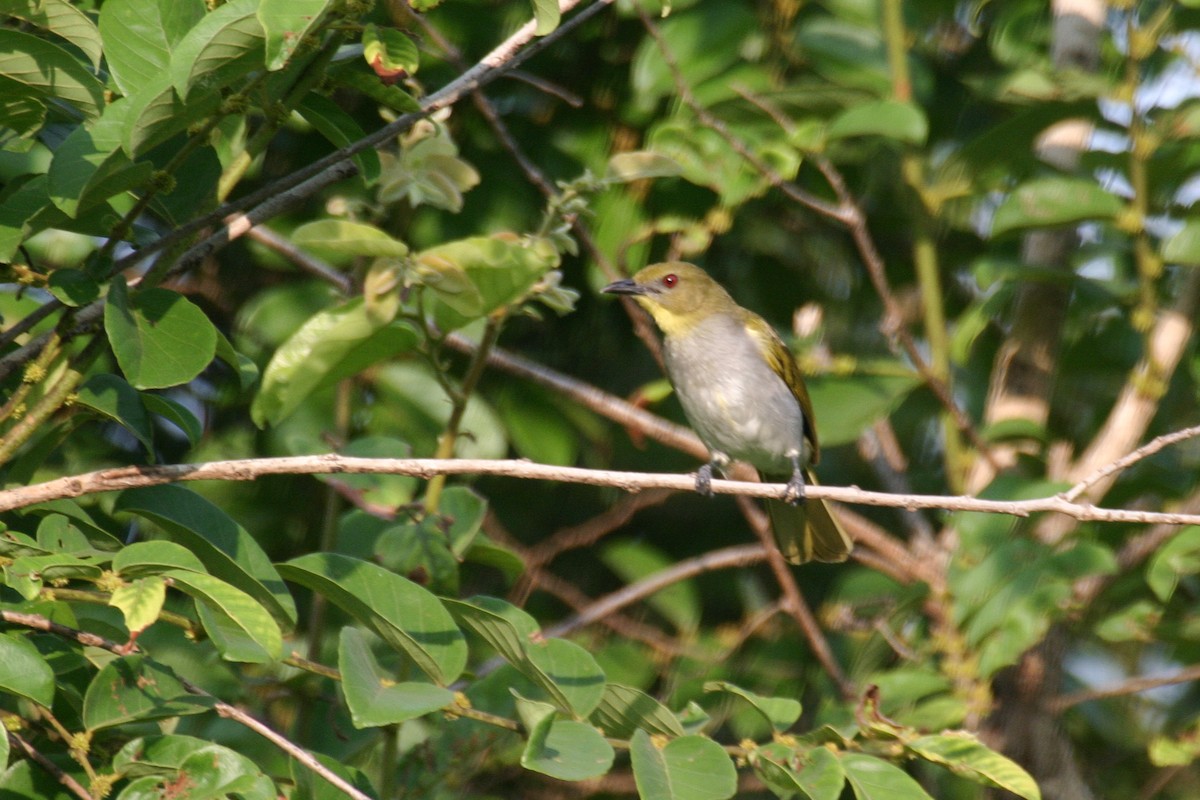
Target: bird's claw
794	493
704	480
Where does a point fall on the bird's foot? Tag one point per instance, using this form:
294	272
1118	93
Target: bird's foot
794	493
704	480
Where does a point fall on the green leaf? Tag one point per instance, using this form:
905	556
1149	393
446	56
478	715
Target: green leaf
139	36
687	768
140	601
891	119
781	713
136	688
241	628
1178	557
89	168
475	276
159	337
1183	247
333	344
844	406
638	165
176	413
390	53
373	698
49	72
875	779
567	750
819	776
154	558
623	710
340	241
211	773
566	671
24	671
73	287
115	399
1054	201
462	512
679	602
286	23
155	113
341	129
62	19
227	44
407	616
546	14
419	549
226	549
1165	751
965	755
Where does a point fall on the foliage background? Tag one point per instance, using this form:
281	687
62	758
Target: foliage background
973	221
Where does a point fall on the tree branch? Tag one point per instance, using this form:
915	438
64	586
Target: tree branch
119	478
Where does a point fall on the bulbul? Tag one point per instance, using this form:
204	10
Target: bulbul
743	394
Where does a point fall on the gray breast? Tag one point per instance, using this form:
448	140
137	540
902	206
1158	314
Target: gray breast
733	399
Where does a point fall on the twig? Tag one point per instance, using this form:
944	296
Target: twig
30	752
119	478
1132	686
41	623
1145	451
726	558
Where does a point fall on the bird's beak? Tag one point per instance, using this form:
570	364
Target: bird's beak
627	286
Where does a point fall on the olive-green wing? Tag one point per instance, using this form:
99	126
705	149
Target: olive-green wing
780	359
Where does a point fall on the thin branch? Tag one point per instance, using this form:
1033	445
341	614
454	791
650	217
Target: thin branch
41	623
30	752
1145	451
248	469
1133	686
726	558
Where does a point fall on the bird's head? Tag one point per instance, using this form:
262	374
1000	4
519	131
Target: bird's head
677	294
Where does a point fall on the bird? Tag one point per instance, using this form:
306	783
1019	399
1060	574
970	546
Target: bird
743	394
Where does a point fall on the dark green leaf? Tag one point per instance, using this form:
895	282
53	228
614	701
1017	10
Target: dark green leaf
140	34
623	709
965	755
175	413
285	24
875	779
407	617
331	345
687	768
340	129
136	688
1044	202
73	287
24	671
340	241
225	548
49	72
891	119
154	558
846	406
227	44
62	19
780	712
373	698
238	624
159	337
115	399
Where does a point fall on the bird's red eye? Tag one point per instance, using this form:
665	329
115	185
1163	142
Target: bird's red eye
670	280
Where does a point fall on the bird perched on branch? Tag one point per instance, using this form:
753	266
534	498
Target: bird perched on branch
743	394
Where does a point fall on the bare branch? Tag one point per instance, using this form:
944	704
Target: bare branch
29	751
1132	686
118	478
